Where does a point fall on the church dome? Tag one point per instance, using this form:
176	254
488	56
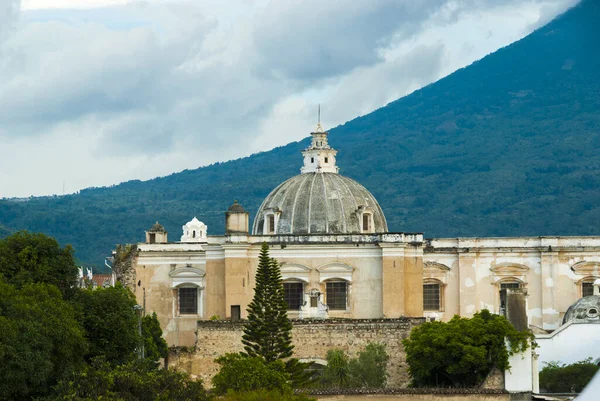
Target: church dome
585	309
319	200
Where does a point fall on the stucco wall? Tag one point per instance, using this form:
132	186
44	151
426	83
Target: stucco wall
573	342
312	340
550	268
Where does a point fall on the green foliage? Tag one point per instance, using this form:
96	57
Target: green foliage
242	373
337	371
461	352
369	369
133	381
562	378
265	395
36	258
267	333
499	148
40	342
215	318
110	323
45	339
155	346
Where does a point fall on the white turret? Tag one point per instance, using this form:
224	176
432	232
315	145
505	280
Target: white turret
319	157
194	231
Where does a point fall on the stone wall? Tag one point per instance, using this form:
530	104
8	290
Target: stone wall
312	340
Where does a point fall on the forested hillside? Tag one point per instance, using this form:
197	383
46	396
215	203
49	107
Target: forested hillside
507	146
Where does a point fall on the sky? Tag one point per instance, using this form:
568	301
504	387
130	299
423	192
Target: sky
97	92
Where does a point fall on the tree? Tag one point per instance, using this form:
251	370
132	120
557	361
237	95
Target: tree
370	368
155	346
562	378
110	323
41	340
267	334
139	381
36	258
461	352
241	373
337	372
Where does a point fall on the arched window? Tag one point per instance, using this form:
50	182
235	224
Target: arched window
586	286
187	283
367	223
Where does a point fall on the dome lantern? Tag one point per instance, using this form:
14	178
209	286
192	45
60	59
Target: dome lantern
319	157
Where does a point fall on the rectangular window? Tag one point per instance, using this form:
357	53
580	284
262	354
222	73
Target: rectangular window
236	313
152	238
431	297
337	295
503	288
587	289
271	224
326	160
188	301
294	295
366	222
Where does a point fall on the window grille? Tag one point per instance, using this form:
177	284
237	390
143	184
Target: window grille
431	297
294	295
337	294
587	289
188	301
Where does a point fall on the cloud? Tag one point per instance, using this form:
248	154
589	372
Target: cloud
148	88
9	10
316	39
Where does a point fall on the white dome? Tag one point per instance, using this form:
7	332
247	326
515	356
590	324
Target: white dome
319	201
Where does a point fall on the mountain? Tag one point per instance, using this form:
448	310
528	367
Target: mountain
508	146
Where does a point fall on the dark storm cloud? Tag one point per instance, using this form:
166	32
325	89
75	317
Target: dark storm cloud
167	83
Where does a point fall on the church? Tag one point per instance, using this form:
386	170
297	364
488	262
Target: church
338	260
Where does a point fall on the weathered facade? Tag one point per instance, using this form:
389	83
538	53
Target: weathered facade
338	260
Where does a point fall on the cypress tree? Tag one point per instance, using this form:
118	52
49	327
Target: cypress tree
267	333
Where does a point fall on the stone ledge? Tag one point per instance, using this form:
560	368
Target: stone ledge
389	391
404	322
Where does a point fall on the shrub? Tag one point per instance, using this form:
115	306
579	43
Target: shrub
461	352
139	381
241	373
557	378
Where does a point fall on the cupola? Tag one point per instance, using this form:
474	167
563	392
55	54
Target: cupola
156	234
236	219
194	231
